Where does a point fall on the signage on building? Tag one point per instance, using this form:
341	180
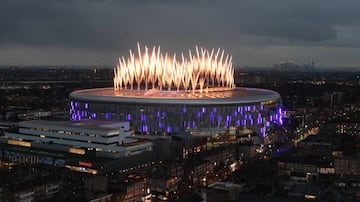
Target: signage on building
83	163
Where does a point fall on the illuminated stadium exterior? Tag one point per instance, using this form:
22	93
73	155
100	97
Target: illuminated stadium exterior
160	94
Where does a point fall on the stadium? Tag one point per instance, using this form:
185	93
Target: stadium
161	94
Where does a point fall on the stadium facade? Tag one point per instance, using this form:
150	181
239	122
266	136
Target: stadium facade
173	112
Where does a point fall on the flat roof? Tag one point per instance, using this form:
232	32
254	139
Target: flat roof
87	125
225	186
154	96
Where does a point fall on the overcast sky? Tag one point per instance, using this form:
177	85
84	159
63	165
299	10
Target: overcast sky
256	33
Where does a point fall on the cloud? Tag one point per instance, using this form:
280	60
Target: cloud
53	23
110	25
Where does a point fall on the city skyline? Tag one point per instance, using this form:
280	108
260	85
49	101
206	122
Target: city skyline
166	146
256	33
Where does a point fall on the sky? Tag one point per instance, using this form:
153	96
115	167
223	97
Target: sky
255	33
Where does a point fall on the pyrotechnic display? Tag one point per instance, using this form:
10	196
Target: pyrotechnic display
199	71
194	92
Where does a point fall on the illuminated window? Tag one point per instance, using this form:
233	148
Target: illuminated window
77	151
308	196
81	169
19	143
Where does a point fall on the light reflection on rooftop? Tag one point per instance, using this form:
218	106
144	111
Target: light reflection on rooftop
215	96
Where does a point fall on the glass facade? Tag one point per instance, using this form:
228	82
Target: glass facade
172	118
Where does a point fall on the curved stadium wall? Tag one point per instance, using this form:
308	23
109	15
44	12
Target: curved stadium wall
174	112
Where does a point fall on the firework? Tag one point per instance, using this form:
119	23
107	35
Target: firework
200	70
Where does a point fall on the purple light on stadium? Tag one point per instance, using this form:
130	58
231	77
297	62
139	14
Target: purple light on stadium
86	105
168	129
203	110
228	118
280	116
267	123
211	115
144	128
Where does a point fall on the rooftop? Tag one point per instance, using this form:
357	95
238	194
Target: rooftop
215	96
86	124
225	186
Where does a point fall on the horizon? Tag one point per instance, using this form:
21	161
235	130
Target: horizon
107	66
